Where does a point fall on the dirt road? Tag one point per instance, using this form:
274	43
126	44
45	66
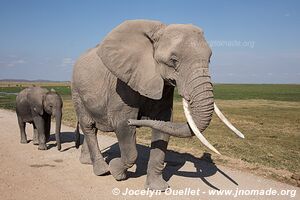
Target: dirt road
27	173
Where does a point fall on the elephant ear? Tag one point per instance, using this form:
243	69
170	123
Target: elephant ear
127	51
36	98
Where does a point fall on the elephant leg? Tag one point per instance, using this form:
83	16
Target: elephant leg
90	144
127	142
159	145
22	126
85	157
40	125
35	135
47	127
100	167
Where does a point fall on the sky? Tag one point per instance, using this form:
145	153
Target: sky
255	41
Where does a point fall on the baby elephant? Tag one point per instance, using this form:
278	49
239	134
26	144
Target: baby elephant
35	105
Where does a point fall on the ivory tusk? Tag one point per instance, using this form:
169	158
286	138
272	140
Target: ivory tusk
223	119
194	127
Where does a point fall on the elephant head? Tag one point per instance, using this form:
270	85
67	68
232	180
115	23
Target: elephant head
148	54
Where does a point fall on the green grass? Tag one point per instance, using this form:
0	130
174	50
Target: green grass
11	89
62	90
268	115
278	92
8	101
256	91
221	91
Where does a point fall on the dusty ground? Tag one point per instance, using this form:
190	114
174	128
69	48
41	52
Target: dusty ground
27	173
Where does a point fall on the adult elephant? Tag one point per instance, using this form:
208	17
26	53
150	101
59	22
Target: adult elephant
36	105
128	80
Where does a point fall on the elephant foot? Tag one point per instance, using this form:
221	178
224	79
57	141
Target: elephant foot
35	142
85	159
23	141
42	147
58	147
100	167
156	183
117	169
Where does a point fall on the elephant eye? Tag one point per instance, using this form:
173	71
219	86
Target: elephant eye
174	61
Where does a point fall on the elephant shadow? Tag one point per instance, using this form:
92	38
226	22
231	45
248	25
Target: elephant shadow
65	137
205	167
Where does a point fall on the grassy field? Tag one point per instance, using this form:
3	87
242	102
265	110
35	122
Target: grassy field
268	115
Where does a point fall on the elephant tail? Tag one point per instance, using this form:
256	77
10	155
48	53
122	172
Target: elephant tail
77	136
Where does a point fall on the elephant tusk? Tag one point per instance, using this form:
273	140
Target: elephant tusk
194	127
223	119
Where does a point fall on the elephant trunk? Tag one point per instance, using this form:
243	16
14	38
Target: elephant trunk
181	130
200	100
58	117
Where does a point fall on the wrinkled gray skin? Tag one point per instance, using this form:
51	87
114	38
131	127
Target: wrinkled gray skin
35	105
130	76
